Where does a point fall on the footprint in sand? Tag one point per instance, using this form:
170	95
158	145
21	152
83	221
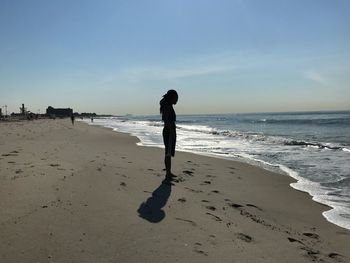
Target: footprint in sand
9	154
293	240
229	224
244	237
251	205
193	190
215	217
178	180
182	199
311	235
212	240
123	184
186	220
199	251
187	172
336	256
311	253
206	183
235	205
210	207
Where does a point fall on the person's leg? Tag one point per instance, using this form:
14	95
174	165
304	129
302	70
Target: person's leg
167	162
167	158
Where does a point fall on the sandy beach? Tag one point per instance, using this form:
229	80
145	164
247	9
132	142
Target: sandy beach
88	194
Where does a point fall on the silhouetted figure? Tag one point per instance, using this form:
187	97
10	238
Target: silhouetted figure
92	119
169	130
72	118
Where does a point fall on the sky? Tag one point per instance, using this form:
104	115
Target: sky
222	56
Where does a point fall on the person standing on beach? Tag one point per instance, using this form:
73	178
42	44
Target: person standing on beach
169	130
72	118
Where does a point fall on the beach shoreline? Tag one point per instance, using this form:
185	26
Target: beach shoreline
311	181
86	193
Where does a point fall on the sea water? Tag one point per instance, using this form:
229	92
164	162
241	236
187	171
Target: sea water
312	147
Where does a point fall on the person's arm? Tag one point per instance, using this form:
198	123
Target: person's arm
166	119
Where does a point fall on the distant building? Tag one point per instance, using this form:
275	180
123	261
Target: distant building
23	110
67	112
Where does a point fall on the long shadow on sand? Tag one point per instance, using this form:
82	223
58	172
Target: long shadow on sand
151	210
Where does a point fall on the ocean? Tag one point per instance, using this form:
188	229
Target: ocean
312	147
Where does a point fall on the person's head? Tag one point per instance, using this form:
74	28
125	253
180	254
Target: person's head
170	97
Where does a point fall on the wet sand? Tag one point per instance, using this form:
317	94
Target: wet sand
88	194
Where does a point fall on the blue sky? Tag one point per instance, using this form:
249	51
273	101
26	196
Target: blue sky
221	56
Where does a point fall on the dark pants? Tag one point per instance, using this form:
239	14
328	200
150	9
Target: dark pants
169	139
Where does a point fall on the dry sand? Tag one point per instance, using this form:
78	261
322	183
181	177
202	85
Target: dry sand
88	194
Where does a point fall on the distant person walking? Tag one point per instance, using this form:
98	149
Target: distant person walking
72	118
169	130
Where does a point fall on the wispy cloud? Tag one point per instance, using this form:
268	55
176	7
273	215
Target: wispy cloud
201	66
184	68
316	77
191	67
174	72
219	63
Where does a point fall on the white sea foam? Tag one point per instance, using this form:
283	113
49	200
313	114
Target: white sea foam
333	216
